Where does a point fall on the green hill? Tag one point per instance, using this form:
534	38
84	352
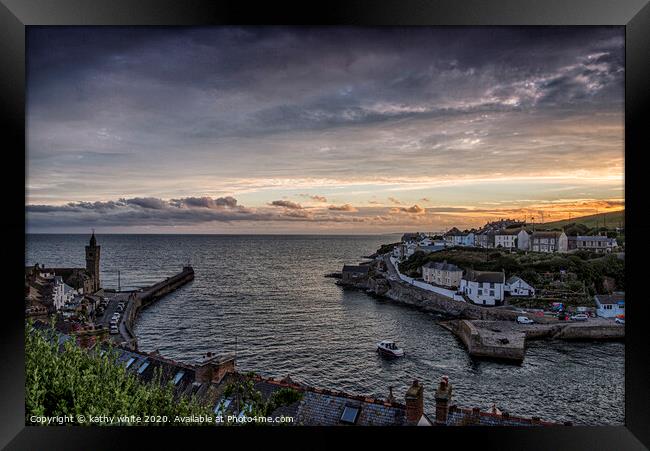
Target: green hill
610	220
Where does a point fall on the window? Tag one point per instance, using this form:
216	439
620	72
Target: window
350	414
143	367
178	377
221	406
480	291
130	362
491	292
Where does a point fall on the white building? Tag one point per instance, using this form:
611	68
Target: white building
610	305
516	286
506	238
511	239
62	293
483	287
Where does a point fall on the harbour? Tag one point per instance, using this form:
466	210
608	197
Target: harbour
248	302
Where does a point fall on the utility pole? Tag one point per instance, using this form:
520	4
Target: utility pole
119	286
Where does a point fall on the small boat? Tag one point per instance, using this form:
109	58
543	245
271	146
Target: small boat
389	348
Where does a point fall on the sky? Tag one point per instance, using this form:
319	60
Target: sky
320	130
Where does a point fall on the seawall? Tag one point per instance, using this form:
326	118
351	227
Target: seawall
149	295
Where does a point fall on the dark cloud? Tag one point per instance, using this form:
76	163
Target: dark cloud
208	202
147	202
415	209
286	204
346	207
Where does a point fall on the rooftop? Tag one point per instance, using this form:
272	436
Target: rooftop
610	298
484	276
442	266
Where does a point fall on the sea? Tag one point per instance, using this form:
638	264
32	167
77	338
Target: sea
266	299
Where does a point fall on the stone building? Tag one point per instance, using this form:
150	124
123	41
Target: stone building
92	263
352	273
87	280
442	273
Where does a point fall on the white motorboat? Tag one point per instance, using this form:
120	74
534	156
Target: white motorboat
389	348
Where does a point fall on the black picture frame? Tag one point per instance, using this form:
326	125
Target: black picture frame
634	15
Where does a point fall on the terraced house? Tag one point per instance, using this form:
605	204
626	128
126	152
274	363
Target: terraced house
442	273
549	242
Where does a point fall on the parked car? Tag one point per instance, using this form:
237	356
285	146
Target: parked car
524	320
579	317
620	320
114	331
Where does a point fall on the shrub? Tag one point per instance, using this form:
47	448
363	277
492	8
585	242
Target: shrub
74	381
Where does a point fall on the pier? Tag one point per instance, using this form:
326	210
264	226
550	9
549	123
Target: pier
506	340
145	297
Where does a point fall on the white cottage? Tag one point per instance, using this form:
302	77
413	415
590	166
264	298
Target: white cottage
483	287
516	286
62	293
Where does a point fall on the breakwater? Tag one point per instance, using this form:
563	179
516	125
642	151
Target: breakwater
140	299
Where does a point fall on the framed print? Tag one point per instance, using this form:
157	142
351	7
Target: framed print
358	219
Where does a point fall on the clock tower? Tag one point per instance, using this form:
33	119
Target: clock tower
92	261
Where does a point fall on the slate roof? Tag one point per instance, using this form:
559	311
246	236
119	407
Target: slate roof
546	234
592	238
442	266
318	409
513	279
484	276
610	298
508	232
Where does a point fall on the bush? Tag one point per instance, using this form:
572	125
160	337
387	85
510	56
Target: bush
75	381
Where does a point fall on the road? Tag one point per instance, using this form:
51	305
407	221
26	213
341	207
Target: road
104	321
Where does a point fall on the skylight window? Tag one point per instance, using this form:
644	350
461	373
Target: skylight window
350	414
178	377
143	367
130	362
245	411
221	406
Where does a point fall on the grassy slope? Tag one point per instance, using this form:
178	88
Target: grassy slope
612	219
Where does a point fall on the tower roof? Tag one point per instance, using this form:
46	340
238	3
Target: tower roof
93	241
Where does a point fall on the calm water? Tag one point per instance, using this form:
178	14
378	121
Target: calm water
266	298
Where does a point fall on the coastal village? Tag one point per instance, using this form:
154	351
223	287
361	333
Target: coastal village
100	320
505	283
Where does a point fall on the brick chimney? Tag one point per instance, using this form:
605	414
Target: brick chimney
212	368
443	400
414	402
